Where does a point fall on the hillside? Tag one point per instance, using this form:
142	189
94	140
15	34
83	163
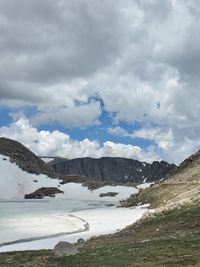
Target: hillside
170	239
15	182
183	187
113	170
24	157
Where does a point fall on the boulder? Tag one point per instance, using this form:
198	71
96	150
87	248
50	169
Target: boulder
44	192
65	249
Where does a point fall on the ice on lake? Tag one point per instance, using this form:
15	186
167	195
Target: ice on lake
41	224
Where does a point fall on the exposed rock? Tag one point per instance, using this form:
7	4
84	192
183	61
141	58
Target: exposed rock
65	249
109	194
110	205
181	188
24	158
81	241
109	170
190	161
43	192
93	173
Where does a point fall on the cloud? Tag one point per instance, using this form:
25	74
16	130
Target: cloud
80	115
140	58
170	146
50	50
56	143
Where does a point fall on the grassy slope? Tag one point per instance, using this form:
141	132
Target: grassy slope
183	187
171	237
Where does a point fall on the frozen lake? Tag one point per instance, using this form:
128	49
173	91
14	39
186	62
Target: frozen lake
41	218
41	224
76	213
18	208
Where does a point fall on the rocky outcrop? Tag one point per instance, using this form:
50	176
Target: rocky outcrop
109	194
194	159
44	192
118	170
65	249
24	158
180	189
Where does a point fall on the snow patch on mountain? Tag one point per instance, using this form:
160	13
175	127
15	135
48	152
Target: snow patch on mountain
15	183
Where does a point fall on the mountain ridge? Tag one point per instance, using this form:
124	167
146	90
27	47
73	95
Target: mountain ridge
105	170
113	169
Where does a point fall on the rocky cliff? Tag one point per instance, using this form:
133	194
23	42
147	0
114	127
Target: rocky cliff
107	169
110	169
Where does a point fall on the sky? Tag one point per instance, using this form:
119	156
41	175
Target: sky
101	78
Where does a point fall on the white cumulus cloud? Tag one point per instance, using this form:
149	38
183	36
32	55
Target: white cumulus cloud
56	143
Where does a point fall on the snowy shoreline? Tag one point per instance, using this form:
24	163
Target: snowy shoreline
84	226
100	221
41	224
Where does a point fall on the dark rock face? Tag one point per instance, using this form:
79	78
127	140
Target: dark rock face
24	158
43	192
118	170
100	171
109	194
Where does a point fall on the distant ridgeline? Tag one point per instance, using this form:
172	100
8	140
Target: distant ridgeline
107	169
113	169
